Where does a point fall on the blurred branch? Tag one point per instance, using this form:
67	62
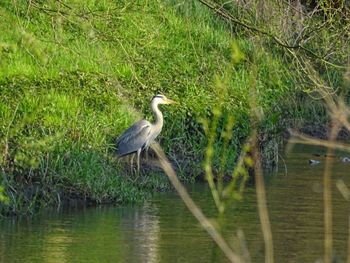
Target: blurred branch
344	190
327	197
339	113
211	133
261	201
348	256
244	247
305	139
256	117
194	209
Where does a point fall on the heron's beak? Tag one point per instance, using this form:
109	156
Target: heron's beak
169	101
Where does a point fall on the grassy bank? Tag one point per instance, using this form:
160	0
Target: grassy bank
74	75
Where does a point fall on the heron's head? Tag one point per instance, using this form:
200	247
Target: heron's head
161	99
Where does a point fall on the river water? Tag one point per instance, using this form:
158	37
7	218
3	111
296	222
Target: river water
163	230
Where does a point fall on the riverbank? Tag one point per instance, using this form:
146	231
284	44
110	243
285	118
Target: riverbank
74	76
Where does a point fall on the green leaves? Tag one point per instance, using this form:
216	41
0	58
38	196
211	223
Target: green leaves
3	198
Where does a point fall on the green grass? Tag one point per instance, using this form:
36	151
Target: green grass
57	141
75	74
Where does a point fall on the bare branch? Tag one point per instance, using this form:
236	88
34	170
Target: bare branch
224	14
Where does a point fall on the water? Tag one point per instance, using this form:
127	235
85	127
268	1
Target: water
162	230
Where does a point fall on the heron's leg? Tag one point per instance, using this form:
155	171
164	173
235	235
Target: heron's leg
132	156
146	151
138	160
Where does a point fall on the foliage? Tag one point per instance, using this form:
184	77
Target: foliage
74	74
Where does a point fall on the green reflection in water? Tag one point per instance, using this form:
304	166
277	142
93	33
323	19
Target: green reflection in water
162	230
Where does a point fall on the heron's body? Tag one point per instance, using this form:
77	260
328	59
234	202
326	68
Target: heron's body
141	134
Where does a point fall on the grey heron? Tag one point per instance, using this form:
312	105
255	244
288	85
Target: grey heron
140	135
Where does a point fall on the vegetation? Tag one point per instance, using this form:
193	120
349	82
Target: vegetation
74	74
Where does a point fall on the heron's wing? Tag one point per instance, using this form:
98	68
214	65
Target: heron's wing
134	137
132	130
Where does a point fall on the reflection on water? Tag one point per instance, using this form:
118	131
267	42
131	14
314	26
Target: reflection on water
162	230
104	234
144	237
55	246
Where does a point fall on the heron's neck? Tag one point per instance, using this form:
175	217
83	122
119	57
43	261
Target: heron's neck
158	114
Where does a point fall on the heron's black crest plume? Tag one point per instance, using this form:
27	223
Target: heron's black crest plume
158	96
